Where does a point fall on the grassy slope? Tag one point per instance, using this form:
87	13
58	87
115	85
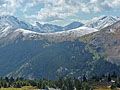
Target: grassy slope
103	89
23	88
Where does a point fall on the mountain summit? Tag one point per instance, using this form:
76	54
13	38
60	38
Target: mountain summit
73	25
102	22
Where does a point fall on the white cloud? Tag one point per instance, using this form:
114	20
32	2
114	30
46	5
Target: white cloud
113	3
61	9
56	9
9	7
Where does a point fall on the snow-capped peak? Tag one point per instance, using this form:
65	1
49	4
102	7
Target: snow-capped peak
102	21
9	20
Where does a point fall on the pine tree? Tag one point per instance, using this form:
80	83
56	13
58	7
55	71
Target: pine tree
64	87
39	84
114	75
11	79
6	79
109	78
84	78
78	84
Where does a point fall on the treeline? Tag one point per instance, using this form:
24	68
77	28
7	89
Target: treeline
63	83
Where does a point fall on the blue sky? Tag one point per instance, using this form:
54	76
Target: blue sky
59	12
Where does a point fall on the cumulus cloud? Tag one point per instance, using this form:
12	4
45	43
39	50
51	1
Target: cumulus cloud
9	6
50	10
61	9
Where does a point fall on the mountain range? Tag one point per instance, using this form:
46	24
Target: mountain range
51	51
42	28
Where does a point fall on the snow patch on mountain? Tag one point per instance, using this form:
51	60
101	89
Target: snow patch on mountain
60	36
26	31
